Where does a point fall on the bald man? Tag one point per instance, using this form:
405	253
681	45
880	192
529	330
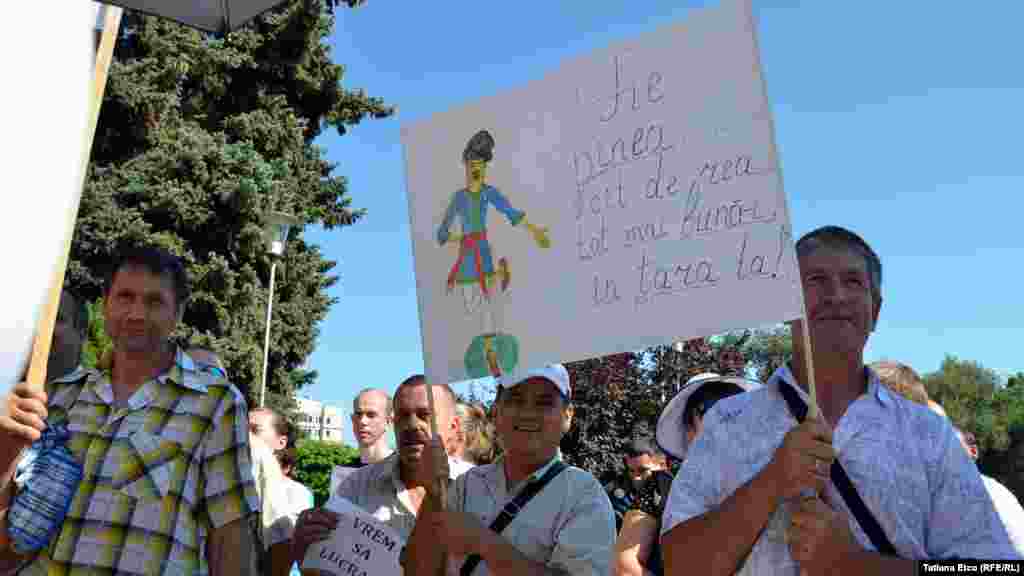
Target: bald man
371	417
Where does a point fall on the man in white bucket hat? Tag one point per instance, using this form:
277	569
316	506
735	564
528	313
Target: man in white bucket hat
637	550
682	420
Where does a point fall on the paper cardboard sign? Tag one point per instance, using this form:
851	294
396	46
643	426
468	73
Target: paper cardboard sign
45	123
360	546
628	199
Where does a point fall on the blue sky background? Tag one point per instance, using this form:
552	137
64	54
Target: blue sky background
900	120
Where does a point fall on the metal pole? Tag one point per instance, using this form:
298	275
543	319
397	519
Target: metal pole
266	338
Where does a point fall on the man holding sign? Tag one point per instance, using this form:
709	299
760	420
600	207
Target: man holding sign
167	485
392	490
872	483
527	513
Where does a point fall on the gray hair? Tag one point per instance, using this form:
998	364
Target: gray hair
837	237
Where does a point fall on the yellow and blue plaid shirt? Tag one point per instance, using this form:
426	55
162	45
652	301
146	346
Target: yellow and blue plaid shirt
160	472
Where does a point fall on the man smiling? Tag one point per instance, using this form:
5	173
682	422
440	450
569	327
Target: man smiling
758	493
167	484
565	527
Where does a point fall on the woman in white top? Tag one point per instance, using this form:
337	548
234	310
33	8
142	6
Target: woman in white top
298	497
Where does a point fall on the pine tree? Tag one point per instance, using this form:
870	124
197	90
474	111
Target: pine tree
201	135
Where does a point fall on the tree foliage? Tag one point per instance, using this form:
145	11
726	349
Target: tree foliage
314	463
766	350
620	397
976	401
198	138
967	392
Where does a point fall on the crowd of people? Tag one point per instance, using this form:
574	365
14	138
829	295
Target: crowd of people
153	463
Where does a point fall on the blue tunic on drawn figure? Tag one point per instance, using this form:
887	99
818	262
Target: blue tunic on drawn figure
472	212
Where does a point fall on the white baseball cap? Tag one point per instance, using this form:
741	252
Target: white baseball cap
554	373
671	430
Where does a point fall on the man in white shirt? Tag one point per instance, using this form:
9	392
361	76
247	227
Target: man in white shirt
746	501
567	527
393	489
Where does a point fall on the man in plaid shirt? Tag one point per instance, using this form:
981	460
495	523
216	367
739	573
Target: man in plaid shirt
167	486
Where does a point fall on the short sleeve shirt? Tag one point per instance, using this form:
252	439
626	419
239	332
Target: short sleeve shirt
568	525
378	489
160	472
904	460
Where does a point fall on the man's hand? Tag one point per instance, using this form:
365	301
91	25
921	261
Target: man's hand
461	534
434	465
23	418
819	537
804	459
314	525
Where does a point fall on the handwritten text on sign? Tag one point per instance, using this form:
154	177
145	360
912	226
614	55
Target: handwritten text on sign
695	206
359	546
653	167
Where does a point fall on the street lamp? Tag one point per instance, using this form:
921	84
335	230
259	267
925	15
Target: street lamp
275	234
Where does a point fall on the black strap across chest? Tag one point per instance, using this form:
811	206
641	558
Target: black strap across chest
509	512
846	489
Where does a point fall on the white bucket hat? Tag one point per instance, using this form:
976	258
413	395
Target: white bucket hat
671	430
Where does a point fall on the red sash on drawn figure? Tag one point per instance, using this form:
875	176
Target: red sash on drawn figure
492	352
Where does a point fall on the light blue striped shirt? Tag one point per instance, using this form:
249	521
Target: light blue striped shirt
904	460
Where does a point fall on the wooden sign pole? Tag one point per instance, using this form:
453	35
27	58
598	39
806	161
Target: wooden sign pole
36	377
805	333
812	411
440	490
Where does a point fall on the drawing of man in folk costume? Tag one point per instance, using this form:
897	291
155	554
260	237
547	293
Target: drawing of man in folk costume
492	353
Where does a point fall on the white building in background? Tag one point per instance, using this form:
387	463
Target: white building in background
319	421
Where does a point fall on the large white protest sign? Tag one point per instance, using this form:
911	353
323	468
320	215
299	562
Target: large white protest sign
45	119
629	198
359	546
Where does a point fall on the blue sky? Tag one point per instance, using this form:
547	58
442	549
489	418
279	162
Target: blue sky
900	120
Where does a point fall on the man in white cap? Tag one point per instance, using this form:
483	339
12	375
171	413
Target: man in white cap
528	512
637	550
758	492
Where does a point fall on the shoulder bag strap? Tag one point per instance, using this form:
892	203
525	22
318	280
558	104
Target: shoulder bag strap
509	512
860	510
